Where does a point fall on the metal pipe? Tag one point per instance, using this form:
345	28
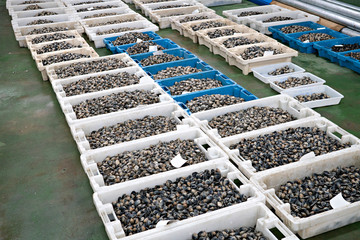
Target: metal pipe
350	32
335	8
353	23
353	7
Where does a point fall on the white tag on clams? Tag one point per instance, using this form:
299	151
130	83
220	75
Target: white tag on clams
195	11
306	41
138	40
163	223
178	161
320	28
153	48
338	45
338	201
158	53
268	53
90	8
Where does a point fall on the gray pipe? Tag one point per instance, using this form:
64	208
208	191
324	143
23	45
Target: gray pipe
335	8
350	32
353	7
353	23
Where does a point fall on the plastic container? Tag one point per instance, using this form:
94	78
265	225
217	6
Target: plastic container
33	13
188	32
42	68
233	14
247	65
123	57
74	41
116	4
117	11
257	215
11	3
103	200
89	23
140	26
176	23
29	38
164	17
165	43
213	3
225	81
150	7
294	42
318	81
22	32
58	86
109	45
152	70
298	16
279	35
232	90
262	73
74	3
319	223
283	102
22	22
179	52
203	38
335	96
89	160
219	48
324	48
80	130
68	103
349	62
19	8
323	124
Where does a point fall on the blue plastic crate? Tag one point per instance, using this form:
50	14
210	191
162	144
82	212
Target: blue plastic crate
324	48
348	62
261	2
225	81
278	34
164	42
179	52
109	45
233	90
195	62
294	42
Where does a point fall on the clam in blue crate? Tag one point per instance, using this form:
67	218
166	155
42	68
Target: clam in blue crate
349	62
194	63
279	35
109	41
308	47
325	48
225	81
232	90
178	52
164	42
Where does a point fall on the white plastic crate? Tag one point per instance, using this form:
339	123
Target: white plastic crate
246	65
58	86
74	3
29	38
213	3
74	41
90	7
22	32
123	57
80	130
138	3
298	16
39	58
117	12
146	8
19	8
10	3
68	103
283	102
89	23
30	14
204	39
103	199
319	223
140	26
188	32
23	22
163	17
262	73
280	78
176	24
89	160
257	215
323	124
219	48
233	14
335	96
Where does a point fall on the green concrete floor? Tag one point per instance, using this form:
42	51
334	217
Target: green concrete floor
44	192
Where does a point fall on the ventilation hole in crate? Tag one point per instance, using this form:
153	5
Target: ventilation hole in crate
181	118
111	217
206	146
277	233
237	182
233	163
337	134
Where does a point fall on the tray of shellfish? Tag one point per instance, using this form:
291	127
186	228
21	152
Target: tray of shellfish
110	20
267	72
227	121
131	127
104	13
178	21
73	3
47	38
317	195
27	6
350	60
138	3
94	7
42	13
207	36
124	163
11	3
220	178
141	47
260	54
150	7
285	144
40	21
